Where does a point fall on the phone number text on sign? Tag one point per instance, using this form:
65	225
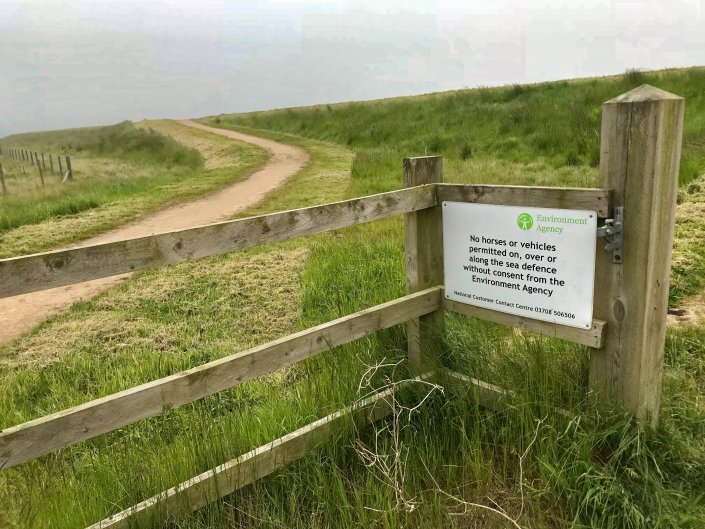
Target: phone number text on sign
533	262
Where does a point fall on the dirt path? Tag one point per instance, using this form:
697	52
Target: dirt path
21	313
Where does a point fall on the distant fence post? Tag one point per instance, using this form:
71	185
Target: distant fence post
61	169
2	181
51	163
423	232
69	172
640	155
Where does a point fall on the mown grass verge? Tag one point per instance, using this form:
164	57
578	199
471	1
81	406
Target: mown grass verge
120	172
160	322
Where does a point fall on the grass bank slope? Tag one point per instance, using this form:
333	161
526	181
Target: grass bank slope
543	134
598	469
157	323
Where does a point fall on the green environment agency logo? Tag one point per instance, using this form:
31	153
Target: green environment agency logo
525	221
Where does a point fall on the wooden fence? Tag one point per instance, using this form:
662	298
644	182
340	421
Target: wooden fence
39	159
641	133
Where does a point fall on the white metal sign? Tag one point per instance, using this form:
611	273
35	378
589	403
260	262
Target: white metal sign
533	262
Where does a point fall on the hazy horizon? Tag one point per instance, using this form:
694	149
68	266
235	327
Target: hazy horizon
86	62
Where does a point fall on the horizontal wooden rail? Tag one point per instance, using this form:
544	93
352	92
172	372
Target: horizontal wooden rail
20	275
44	435
217	483
488	395
237	473
597	200
592	337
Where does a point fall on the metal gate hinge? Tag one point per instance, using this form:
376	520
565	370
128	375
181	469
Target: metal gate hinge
613	233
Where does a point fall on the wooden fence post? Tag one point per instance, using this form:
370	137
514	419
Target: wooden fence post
423	232
2	181
61	169
41	174
69	171
51	163
640	155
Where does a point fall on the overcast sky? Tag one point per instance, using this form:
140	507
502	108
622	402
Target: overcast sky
84	62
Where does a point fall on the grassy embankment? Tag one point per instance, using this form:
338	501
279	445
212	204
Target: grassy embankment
593	469
599	469
159	322
120	172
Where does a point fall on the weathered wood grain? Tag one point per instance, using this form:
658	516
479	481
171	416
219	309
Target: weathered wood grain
540	197
640	146
423	232
20	275
592	337
52	432
256	464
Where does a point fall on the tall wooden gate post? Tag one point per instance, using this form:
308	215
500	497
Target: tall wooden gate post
423	231
640	154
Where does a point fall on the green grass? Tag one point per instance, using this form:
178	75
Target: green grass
554	126
155	324
543	134
120	172
29	203
594	467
